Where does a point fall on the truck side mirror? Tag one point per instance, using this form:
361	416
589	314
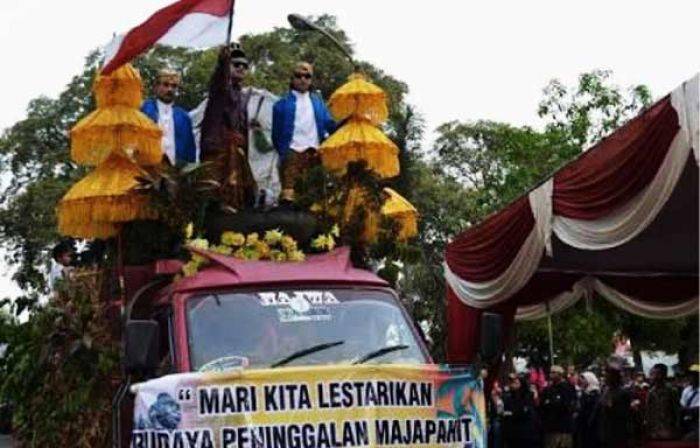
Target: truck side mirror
141	346
491	331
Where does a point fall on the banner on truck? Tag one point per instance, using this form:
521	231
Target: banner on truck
313	406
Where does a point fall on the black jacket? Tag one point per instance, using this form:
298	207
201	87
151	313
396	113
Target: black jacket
558	403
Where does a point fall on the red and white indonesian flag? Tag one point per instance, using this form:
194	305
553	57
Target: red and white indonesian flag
186	23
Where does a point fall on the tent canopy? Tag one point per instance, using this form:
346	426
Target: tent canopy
620	221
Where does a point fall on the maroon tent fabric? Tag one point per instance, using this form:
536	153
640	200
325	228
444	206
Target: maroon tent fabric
501	264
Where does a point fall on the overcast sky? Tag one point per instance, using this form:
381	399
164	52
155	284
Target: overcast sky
462	60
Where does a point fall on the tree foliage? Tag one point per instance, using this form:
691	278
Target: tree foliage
61	368
473	168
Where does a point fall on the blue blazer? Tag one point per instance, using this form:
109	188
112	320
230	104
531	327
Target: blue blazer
185	148
283	113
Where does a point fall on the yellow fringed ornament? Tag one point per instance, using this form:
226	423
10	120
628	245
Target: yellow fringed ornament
357	200
112	129
94	205
359	140
117	123
122	87
400	210
394	207
359	98
88	230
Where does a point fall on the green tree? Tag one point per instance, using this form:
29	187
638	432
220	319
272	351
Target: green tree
34	151
498	162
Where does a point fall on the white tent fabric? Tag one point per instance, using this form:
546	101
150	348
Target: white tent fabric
587	286
630	220
613	230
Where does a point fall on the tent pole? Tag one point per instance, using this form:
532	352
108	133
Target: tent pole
551	336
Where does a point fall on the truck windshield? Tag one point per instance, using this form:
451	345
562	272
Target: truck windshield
298	327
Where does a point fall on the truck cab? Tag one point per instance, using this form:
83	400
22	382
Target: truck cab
260	314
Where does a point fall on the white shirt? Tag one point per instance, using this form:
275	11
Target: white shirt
687	395
305	134
167	125
57	272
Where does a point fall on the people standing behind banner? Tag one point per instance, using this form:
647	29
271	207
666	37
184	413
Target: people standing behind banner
224	138
639	390
520	427
614	408
557	405
586	422
690	400
662	411
300	122
178	140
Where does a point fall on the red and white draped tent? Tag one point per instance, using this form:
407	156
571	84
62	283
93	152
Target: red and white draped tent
620	222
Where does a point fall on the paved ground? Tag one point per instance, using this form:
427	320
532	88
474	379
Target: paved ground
5	442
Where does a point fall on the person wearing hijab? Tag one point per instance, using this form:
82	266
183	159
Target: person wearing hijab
586	424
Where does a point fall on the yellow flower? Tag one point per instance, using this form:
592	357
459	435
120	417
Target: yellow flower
296	255
252	238
189	230
330	242
277	255
190	268
273	237
222	249
263	249
198	260
288	243
323	242
232	239
199	243
335	230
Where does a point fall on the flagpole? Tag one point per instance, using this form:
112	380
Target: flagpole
230	24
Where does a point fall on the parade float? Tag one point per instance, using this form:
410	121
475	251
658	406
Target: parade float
262	327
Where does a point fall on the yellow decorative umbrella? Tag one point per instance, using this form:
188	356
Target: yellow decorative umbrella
117	123
120	88
359	98
359	140
394	207
399	209
356	201
95	205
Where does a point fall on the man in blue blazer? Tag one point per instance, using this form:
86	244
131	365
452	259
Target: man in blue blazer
300	122
178	140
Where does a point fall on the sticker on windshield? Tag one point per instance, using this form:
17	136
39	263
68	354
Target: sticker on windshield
315	314
297	299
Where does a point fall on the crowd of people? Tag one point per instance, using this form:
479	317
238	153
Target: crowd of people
616	408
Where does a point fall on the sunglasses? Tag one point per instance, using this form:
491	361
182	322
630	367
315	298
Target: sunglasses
240	65
303	75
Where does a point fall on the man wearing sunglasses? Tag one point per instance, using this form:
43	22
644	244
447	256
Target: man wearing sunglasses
178	140
300	122
224	140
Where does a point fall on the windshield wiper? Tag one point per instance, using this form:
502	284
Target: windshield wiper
306	351
381	352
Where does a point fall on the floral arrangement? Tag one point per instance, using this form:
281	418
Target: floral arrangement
274	245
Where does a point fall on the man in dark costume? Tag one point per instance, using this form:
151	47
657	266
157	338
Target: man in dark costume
224	142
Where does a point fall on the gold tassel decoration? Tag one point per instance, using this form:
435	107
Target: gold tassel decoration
117	123
399	209
357	200
88	230
116	128
359	140
359	98
122	87
95	204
